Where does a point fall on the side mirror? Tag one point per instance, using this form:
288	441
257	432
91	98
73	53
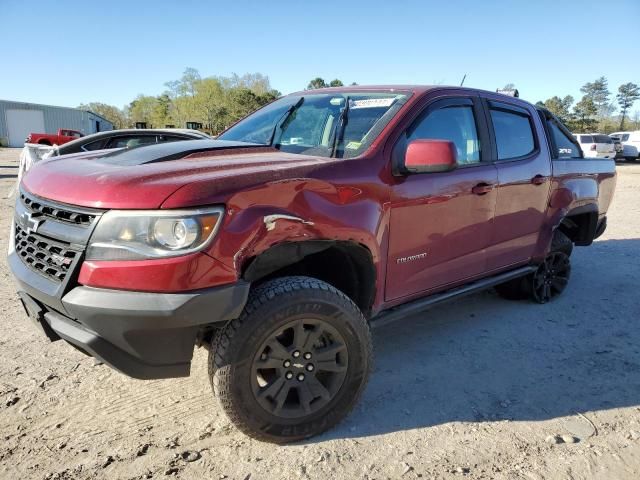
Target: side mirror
430	156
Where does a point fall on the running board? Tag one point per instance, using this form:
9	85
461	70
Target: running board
401	311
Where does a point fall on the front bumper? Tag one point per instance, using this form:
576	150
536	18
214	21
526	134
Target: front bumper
143	335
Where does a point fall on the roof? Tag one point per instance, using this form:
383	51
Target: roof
189	134
416	89
97	115
361	88
186	131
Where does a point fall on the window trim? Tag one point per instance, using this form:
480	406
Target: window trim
490	104
437	103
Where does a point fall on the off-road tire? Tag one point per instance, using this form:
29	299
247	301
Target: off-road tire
521	288
271	306
561	243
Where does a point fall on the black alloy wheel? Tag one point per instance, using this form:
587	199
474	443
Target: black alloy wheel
551	277
299	368
294	363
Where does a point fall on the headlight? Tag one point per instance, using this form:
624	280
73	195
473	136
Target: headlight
144	234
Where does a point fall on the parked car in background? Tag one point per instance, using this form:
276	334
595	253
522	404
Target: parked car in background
63	136
617	145
128	138
630	144
113	139
596	145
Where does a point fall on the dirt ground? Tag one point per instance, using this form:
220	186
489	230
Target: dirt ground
471	390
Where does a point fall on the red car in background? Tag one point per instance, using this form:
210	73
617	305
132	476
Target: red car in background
63	136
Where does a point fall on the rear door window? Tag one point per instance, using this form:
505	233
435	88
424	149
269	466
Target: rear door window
513	131
130	141
586	139
97	145
171	138
602	139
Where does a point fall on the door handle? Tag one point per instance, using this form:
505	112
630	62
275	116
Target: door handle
539	179
482	189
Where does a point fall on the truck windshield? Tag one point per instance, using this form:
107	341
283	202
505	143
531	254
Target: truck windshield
319	124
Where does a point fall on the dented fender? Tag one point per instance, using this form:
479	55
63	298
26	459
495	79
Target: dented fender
298	210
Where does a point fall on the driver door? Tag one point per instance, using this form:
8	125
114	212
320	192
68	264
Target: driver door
441	223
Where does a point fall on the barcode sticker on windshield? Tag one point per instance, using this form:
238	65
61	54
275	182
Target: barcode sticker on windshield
372	103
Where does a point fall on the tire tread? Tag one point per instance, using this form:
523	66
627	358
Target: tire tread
218	367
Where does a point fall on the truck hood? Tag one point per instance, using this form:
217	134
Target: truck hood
144	177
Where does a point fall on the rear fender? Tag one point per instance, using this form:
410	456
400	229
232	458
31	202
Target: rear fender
584	218
573	196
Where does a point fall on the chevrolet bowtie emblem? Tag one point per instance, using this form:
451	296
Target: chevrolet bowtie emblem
32	223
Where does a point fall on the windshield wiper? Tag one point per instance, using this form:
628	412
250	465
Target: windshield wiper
340	127
284	119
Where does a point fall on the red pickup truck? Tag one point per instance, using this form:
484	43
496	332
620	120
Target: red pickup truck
63	136
280	244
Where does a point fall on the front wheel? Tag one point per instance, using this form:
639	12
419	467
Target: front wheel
295	363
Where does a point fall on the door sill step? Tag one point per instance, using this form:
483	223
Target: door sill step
401	311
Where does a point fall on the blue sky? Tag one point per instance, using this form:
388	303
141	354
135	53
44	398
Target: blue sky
66	53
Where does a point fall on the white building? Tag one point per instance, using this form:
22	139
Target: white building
19	119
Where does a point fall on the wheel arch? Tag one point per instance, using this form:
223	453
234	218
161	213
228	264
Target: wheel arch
347	265
580	224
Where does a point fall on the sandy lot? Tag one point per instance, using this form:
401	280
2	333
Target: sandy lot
467	390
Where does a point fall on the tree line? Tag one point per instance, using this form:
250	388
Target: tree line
595	111
213	102
217	102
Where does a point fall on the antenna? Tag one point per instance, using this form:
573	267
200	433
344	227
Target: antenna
463	79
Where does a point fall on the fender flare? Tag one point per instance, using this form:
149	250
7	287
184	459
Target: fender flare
587	229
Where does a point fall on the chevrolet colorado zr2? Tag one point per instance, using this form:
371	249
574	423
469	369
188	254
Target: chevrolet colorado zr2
278	245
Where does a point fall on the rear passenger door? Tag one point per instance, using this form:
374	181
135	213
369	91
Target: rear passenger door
524	179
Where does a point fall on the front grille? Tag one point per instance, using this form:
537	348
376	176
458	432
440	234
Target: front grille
50	258
59	214
50	237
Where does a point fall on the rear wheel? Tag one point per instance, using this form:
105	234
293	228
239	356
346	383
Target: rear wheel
551	277
530	286
294	363
561	243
